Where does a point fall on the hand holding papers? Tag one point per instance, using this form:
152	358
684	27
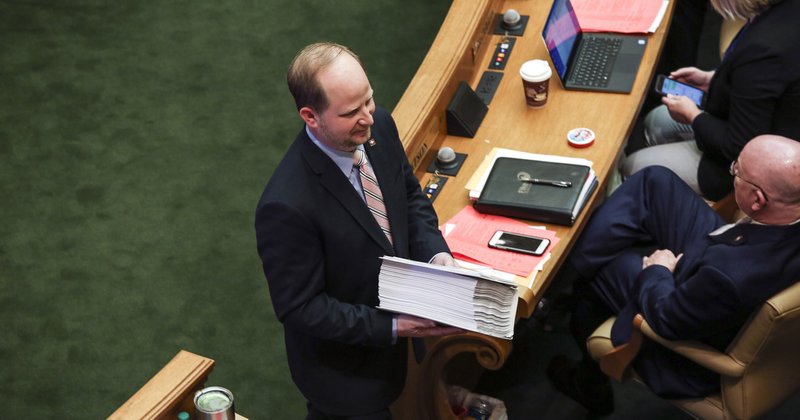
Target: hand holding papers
412	326
469	299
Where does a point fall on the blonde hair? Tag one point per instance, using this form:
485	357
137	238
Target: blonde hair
302	74
742	9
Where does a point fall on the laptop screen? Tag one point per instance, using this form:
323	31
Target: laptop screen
560	34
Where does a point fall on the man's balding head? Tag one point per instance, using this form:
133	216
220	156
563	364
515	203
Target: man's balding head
769	178
774	164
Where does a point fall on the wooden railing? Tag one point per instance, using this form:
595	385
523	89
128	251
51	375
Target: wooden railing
170	391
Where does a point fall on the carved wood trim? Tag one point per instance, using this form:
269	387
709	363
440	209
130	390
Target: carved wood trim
430	392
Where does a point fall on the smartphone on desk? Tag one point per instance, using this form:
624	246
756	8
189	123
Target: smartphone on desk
667	86
519	243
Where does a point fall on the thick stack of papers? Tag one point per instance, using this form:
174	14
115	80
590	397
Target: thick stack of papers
468	299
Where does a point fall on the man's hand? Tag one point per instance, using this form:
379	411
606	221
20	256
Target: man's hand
443	258
663	257
411	326
681	108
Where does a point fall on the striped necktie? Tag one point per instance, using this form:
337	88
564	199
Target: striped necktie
372	192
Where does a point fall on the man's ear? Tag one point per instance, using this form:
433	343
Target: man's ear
761	200
309	116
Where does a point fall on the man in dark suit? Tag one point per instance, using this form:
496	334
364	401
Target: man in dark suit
703	280
320	243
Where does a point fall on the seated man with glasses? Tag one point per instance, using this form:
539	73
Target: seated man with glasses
734	170
700	278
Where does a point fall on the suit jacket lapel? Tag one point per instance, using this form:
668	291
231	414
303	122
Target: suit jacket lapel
332	179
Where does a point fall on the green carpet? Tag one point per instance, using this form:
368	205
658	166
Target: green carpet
135	139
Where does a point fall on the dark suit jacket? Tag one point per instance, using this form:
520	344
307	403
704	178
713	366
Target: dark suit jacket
755	90
718	283
320	249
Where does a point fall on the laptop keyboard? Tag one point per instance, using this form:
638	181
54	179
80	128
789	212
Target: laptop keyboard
594	61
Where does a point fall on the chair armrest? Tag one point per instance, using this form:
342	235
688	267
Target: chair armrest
700	353
615	363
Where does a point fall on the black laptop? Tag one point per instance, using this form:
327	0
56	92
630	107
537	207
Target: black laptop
590	61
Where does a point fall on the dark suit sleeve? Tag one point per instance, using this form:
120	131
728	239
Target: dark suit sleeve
705	303
756	83
292	253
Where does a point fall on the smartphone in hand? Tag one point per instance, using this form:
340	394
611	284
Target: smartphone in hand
667	86
519	243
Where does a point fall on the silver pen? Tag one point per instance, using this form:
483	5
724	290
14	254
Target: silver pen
551	182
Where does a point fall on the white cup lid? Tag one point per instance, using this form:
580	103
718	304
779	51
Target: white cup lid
535	70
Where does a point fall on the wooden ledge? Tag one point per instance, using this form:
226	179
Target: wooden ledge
460	42
170	391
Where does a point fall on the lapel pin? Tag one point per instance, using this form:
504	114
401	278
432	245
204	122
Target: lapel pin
371	142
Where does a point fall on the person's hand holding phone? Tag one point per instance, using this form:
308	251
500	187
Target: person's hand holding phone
693	76
681	108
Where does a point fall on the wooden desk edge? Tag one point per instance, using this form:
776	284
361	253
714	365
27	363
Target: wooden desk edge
168	389
460	42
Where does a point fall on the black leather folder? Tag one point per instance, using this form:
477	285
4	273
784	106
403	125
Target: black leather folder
521	188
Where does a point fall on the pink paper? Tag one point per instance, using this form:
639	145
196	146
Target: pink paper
468	233
624	16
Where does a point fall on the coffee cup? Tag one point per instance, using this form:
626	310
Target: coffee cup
536	81
214	403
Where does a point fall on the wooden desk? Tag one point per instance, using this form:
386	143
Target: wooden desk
462	51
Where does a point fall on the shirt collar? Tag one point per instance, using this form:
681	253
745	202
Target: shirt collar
743	221
343	160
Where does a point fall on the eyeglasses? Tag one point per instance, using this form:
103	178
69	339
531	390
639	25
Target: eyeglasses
734	170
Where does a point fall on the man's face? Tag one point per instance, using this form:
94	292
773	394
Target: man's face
741	190
346	122
746	185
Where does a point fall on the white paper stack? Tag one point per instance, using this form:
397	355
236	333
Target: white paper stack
469	299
